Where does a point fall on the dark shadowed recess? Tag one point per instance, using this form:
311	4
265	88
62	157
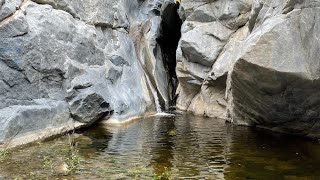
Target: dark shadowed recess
169	39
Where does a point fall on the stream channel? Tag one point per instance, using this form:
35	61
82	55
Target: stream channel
178	147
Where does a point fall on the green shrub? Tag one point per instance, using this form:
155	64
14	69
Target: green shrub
4	154
165	175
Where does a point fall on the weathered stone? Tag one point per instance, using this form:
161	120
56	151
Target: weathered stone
81	54
206	37
16	27
21	121
8	7
88	107
211	101
275	80
105	13
97	58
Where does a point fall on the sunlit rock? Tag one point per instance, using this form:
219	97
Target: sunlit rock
83	55
275	80
210	35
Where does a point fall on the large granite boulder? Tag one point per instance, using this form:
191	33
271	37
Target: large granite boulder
28	123
264	70
110	13
210	34
82	54
275	81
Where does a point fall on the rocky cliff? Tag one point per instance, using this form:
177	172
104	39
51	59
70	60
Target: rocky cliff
252	62
69	63
66	63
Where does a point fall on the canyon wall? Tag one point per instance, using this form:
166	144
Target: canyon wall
71	63
252	62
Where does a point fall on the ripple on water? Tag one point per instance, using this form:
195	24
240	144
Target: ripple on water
186	145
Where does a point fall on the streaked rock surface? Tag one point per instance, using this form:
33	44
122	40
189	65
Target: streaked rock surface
275	82
264	72
87	55
210	36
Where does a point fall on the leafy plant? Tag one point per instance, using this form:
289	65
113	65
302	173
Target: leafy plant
31	176
73	159
47	163
165	175
4	154
172	133
136	172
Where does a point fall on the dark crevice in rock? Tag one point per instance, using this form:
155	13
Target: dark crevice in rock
110	26
168	40
19	35
253	19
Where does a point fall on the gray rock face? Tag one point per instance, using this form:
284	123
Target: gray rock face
264	69
21	121
8	7
89	107
253	62
82	54
111	13
209	35
275	81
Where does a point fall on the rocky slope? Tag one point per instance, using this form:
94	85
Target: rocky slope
252	62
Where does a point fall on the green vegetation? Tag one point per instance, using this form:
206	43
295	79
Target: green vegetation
137	172
73	159
172	132
4	154
31	176
165	175
67	153
47	163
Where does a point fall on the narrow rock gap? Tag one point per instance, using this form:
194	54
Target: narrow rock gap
168	41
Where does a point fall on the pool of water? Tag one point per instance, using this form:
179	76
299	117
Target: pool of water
180	147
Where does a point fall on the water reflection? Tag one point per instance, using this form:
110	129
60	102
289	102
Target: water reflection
162	144
188	146
203	147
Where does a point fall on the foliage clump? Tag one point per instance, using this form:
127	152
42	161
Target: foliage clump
165	175
4	154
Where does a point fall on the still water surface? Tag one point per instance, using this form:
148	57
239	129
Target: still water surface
184	146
